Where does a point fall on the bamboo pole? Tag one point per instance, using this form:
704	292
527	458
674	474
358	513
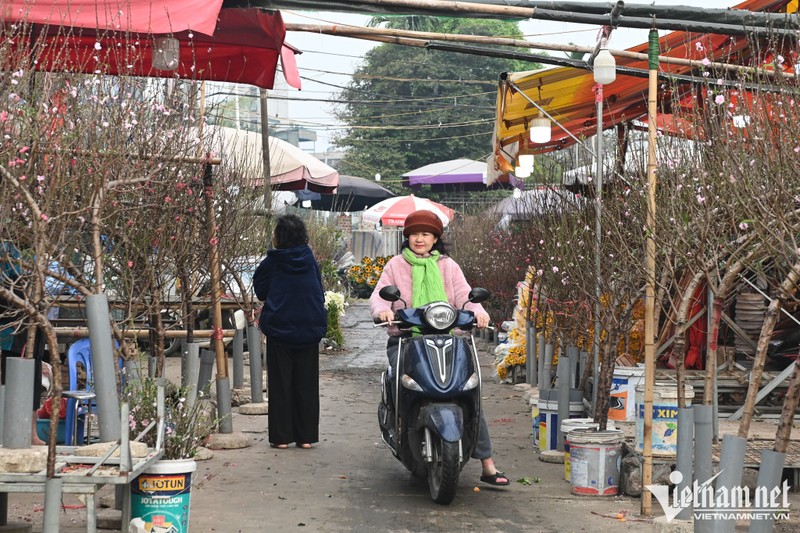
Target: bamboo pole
262	94
456	9
420	39
649	314
79	332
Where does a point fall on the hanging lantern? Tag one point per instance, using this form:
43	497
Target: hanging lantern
166	53
540	130
522	172
525	160
605	67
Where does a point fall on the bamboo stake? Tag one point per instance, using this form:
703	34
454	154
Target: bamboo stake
79	332
649	326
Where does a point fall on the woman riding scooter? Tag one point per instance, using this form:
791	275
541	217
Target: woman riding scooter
424	273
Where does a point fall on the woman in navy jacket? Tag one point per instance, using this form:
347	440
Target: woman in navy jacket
294	321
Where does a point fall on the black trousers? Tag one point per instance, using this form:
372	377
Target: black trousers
293	385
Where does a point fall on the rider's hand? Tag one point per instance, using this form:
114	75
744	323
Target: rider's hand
482	320
386	316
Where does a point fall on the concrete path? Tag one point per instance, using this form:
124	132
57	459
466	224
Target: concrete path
351	482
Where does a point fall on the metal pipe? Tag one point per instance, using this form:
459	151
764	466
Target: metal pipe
207	358
152	366
2	410
563	384
52	504
254	346
703	467
684	462
530	354
540	342
132	374
548	366
573	354
17	410
192	378
770	472
238	359
598	199
104	365
224	405
731	465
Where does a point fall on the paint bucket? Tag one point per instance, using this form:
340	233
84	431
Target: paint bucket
548	415
568	426
621	402
595	458
534	403
665	417
160	495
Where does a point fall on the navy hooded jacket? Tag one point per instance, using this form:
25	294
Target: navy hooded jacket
289	283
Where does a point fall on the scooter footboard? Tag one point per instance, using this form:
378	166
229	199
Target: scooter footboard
444	419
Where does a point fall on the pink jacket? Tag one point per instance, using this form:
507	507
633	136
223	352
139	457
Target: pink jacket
397	271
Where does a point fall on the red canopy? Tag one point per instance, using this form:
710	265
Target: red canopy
245	46
136	16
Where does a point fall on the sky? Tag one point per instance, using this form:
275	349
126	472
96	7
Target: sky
328	61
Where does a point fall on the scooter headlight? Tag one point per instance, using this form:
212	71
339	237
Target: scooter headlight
472	382
440	315
409	383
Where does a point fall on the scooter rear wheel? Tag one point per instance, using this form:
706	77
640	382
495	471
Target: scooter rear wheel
443	471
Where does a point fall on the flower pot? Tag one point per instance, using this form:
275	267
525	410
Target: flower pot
160	495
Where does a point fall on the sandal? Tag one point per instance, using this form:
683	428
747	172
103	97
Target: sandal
303	445
495	479
278	446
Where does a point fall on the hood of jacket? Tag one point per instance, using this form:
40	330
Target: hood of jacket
296	260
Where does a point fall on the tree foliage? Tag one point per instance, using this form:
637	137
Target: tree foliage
407	107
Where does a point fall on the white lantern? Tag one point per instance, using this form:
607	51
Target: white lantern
605	67
166	53
522	172
540	130
525	160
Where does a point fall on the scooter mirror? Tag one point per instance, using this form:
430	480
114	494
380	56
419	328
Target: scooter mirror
478	295
390	293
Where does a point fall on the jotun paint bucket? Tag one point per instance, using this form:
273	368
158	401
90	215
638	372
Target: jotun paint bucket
665	417
534	403
595	458
568	426
160	496
548	415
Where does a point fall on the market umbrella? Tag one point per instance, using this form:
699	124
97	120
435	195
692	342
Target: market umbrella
291	169
393	211
352	194
466	174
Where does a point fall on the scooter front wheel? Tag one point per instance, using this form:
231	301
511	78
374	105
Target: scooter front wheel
443	470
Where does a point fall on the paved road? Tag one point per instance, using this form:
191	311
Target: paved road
351	482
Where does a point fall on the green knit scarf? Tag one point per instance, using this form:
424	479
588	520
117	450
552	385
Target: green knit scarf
427	284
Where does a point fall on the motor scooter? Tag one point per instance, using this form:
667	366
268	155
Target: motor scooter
430	407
